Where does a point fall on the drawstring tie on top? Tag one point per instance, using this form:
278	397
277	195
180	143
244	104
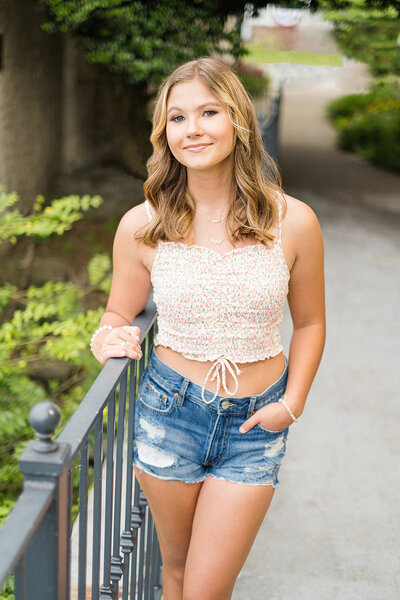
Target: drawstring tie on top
221	364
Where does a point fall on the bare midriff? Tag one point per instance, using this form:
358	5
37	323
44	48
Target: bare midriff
254	378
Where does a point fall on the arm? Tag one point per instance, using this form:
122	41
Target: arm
130	291
303	239
306	300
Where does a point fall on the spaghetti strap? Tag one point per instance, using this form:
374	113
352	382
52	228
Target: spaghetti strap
147	205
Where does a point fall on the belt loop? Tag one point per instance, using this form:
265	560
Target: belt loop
252	403
182	391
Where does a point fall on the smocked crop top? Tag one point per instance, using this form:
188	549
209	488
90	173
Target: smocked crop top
221	307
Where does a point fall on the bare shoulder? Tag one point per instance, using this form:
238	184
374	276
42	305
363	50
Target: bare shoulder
299	212
132	221
300	219
126	246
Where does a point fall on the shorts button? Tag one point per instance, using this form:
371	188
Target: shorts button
176	394
147	384
225	404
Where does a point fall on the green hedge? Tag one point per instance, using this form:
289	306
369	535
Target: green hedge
369	124
254	79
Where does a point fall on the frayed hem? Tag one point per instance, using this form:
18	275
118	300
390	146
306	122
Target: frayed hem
275	485
144	470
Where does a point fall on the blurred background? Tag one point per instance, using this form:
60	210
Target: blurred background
77	83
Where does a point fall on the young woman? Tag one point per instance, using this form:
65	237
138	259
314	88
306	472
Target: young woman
222	247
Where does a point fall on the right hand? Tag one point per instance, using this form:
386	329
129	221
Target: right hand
108	344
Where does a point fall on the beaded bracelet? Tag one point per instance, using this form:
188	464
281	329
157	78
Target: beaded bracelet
102	328
283	401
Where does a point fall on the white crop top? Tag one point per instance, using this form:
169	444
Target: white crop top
221	307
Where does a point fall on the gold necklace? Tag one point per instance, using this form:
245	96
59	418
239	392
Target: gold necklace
214	220
214	241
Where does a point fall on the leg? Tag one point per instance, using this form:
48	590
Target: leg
227	519
172	504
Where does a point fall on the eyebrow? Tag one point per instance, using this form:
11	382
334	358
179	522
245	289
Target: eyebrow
198	107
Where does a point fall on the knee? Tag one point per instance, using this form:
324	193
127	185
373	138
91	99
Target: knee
203	592
174	572
199	595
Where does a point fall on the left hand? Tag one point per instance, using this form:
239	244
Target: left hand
272	416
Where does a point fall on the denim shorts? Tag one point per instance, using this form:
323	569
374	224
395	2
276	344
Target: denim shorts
181	438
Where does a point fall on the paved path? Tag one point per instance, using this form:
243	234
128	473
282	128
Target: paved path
333	529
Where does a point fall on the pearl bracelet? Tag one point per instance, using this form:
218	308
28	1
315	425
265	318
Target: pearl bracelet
102	328
283	401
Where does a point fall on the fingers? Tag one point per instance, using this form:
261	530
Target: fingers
122	341
273	417
134	331
117	351
249	424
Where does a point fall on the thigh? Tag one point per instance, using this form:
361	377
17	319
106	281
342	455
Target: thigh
227	518
172	504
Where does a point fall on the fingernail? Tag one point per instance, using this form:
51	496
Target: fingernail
242	430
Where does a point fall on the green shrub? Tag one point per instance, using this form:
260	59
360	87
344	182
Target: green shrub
253	79
369	124
44	334
349	105
374	136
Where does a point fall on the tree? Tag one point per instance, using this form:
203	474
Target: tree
142	41
367	30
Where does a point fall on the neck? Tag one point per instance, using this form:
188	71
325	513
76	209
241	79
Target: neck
211	191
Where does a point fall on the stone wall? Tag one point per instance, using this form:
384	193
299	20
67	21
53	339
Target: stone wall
30	100
57	112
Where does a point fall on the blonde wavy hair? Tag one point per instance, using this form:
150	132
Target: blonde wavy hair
256	180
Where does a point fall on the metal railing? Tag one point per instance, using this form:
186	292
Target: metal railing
115	552
268	123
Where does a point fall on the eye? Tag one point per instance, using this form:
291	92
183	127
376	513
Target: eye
210	113
175	119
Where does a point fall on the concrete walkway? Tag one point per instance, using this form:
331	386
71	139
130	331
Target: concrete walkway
333	529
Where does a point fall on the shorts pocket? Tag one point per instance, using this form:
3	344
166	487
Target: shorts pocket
263	429
155	396
270	431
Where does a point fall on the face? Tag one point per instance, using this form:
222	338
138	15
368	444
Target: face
199	132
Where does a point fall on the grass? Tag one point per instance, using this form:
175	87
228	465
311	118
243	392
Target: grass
259	54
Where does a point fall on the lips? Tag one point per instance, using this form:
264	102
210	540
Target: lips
196	147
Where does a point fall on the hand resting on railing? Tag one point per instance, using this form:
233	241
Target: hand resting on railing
116	342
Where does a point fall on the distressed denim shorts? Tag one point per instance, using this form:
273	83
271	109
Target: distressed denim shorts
181	438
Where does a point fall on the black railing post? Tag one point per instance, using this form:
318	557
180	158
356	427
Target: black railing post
43	571
269	125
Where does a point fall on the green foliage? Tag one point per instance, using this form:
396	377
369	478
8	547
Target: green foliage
44	335
367	31
43	221
143	41
347	106
369	124
7	593
253	79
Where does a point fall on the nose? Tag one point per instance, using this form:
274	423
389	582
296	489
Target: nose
193	127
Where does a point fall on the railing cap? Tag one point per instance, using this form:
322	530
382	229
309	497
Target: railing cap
44	418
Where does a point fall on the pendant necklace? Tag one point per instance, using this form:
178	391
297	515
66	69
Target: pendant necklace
214	241
215	220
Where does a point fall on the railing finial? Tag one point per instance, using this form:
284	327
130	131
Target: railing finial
44	418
